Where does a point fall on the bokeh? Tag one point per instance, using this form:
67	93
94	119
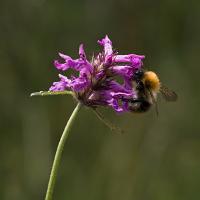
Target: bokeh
156	158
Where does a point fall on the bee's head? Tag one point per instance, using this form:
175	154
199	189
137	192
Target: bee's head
151	80
138	75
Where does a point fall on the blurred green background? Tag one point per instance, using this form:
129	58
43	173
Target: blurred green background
157	157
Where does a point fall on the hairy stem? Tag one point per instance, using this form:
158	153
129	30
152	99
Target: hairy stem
49	93
58	154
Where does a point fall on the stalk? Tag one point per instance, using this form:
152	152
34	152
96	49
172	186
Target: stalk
57	158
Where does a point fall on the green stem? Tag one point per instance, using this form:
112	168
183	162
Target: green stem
49	93
58	154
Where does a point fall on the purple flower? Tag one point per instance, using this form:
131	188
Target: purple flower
96	83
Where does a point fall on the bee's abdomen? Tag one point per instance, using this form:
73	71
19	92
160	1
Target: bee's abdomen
139	105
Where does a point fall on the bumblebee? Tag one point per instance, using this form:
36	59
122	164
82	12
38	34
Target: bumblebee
147	86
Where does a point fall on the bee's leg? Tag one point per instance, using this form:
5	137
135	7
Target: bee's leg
156	107
139	105
107	123
154	102
140	86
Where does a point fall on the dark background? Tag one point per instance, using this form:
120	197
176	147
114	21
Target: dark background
157	157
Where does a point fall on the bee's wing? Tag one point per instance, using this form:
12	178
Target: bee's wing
168	94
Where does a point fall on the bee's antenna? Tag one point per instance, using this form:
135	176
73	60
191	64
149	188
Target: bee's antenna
107	123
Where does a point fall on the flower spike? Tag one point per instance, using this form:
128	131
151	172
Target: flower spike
96	83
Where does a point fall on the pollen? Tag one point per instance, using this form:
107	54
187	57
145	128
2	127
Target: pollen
152	81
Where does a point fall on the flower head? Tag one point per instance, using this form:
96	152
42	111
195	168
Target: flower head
96	83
